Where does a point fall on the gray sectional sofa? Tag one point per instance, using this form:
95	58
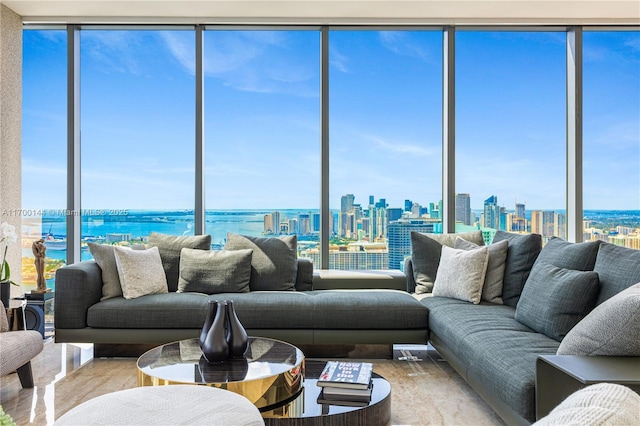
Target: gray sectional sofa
494	347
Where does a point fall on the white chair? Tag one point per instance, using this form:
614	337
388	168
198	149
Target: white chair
17	349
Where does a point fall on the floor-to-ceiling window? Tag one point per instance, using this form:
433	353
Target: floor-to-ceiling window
611	144
137	99
44	151
262	134
510	131
385	143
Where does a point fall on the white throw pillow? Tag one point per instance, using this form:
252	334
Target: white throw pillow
140	272
461	273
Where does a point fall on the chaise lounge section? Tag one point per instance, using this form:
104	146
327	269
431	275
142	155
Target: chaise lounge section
495	347
327	307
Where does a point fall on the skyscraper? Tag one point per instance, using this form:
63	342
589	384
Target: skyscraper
536	222
519	220
491	213
399	238
346	203
547	224
463	208
560	226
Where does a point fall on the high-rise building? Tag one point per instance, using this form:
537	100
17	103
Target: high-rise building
346	203
393	213
399	238
491	213
536	222
304	224
560	226
315	222
407	205
519	220
463	209
548	220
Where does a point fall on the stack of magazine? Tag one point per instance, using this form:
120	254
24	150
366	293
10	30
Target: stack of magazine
346	383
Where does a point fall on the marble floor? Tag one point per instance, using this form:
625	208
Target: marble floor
425	389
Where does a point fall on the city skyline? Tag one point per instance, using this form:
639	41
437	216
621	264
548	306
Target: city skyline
262	94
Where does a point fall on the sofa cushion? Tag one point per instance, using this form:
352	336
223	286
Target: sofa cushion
461	273
496	350
352	309
273	263
323	309
618	269
425	255
612	328
555	299
521	254
494	278
563	254
170	247
168	310
210	272
140	272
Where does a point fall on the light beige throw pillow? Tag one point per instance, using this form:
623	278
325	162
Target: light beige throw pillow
493	280
140	272
461	273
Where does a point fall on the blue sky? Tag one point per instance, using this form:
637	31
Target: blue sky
262	118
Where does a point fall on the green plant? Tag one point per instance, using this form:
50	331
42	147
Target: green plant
5	419
8	237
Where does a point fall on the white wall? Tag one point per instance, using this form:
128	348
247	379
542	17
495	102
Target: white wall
10	130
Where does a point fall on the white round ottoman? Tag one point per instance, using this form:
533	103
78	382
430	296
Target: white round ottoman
165	405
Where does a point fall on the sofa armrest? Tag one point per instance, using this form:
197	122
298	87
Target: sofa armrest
558	376
304	274
78	287
332	279
408	271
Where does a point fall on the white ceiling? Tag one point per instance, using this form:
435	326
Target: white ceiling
331	11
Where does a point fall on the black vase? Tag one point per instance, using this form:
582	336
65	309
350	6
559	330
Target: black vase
215	347
211	313
237	336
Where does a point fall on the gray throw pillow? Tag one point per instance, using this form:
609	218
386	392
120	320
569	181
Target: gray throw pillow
492	289
273	262
425	255
461	273
522	253
170	247
563	254
210	272
106	260
618	269
611	329
554	299
140	271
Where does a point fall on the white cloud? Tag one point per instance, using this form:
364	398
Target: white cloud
338	60
396	148
401	43
181	46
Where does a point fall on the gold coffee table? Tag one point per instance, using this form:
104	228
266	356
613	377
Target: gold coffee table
271	373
